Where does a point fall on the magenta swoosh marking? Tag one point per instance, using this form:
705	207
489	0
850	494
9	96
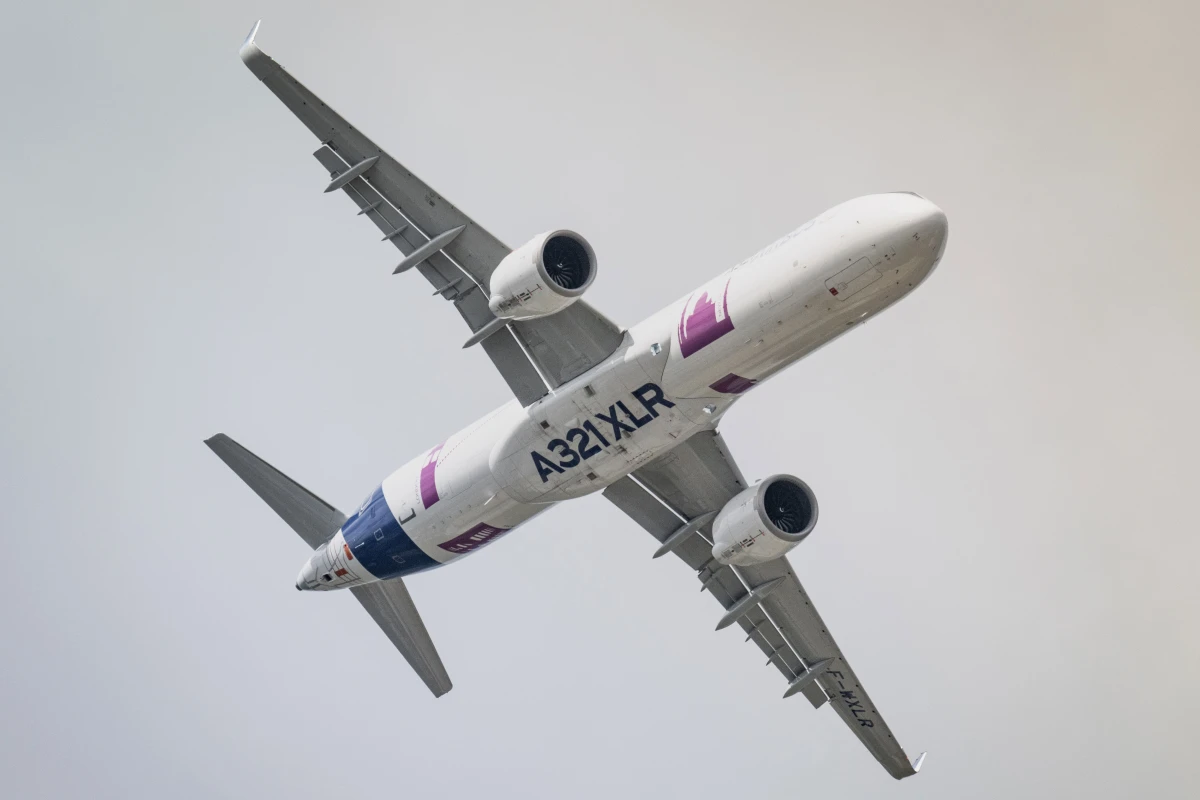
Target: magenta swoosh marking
733	384
429	492
478	536
705	324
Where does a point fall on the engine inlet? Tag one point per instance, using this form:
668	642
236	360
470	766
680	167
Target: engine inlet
567	261
789	506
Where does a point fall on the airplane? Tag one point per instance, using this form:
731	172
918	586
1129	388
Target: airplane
630	413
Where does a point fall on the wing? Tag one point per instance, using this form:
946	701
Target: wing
456	255
691	482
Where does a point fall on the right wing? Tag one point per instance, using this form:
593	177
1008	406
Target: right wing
454	253
697	478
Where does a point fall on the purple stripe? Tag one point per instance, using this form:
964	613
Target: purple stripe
733	384
478	536
701	327
429	493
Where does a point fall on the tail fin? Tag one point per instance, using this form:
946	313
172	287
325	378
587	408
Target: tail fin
388	602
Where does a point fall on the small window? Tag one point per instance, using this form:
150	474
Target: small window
589	391
545	425
327	577
379	534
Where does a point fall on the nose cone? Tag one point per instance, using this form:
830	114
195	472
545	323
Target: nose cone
937	231
925	224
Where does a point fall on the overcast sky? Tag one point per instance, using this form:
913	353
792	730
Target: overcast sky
1005	461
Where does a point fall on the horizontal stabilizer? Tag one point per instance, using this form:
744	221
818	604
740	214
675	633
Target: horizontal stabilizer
388	602
392	608
308	515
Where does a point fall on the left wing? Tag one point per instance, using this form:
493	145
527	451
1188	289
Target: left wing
454	253
691	482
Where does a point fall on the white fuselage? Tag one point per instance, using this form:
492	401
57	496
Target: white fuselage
674	374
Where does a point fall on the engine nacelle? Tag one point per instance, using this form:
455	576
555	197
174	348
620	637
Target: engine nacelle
542	276
764	522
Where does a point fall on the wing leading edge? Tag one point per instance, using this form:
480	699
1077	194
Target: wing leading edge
697	478
454	253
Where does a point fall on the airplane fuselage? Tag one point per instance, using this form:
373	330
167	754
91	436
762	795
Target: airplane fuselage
674	374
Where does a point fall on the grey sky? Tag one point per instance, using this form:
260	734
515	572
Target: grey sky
1005	461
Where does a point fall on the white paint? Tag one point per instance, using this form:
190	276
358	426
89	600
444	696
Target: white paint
521	287
873	250
742	533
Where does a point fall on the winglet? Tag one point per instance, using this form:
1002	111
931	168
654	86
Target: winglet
918	761
259	62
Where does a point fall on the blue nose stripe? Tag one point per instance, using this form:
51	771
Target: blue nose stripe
380	544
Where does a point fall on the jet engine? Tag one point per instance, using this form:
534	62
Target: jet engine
542	276
764	522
